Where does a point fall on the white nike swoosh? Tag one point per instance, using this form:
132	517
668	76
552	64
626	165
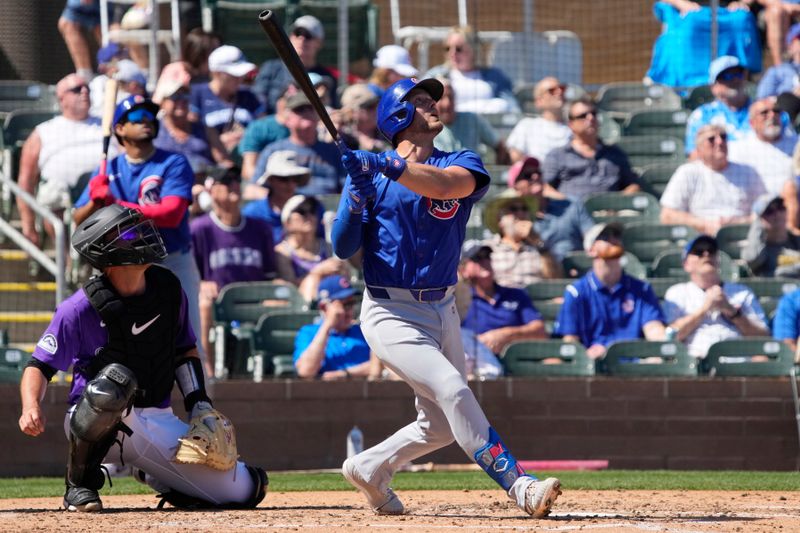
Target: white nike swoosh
102	324
138	329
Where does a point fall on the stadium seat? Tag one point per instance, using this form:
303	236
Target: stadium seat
669	264
656	122
273	340
18	95
662	285
642	358
576	264
698	96
538	358
619	207
362	29
609	129
731	238
733	358
527	58
646	240
770	290
12	364
236	22
547	296
655	176
622	98
644	150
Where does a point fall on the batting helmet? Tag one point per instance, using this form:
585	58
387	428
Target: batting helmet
394	112
116	236
135	101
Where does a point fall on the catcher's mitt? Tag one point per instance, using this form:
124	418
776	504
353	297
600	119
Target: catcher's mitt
210	441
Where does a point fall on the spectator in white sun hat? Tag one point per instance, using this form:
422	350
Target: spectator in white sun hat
392	63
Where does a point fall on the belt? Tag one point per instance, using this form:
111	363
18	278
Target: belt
419	295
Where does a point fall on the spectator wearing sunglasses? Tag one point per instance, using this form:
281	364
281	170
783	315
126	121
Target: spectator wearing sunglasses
710	191
704	310
520	256
155	182
768	147
335	347
307	36
770	249
57	153
536	136
586	165
477	89
782	79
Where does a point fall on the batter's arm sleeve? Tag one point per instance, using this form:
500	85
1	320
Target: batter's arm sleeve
166	214
348	227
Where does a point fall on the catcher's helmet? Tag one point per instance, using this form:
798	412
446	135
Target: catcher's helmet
394	113
116	236
132	102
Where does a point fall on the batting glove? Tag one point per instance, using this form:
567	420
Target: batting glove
360	162
99	190
360	190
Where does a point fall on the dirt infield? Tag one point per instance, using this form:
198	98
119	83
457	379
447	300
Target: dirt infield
673	511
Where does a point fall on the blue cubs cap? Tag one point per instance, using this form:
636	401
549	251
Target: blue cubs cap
721	64
107	53
707	241
334	288
132	102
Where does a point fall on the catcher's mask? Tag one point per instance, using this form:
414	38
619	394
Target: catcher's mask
116	236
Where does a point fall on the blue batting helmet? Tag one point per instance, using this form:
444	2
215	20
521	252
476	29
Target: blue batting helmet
394	112
132	102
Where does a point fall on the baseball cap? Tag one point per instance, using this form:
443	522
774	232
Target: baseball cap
294	202
311	24
334	288
396	58
230	60
601	230
721	64
107	53
174	77
516	170
225	175
358	96
475	250
792	34
283	163
296	101
764	202
491	215
127	71
700	240
317	79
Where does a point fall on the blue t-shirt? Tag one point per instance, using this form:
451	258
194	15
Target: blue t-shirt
195	148
217	114
261	132
260	209
411	241
164	174
342	350
779	79
601	315
786	324
321	158
512	307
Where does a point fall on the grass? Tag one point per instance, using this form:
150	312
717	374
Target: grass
602	480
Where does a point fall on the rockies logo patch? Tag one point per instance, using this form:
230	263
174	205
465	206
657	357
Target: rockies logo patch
443	209
48	343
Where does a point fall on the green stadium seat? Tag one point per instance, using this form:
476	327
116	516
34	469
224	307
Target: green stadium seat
237	22
731	238
609	129
733	358
362	20
12	364
547	296
283	366
669	264
646	240
619	207
640	358
621	99
644	150
698	96
273	340
576	264
536	358
656	122
16	95
655	176
770	290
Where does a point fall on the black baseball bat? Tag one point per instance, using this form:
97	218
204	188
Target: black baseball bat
280	41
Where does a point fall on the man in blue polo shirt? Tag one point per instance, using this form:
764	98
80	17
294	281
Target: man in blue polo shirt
334	348
607	305
786	324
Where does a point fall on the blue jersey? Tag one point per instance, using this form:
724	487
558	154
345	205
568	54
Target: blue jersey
164	174
342	350
786	324
511	308
600	315
413	242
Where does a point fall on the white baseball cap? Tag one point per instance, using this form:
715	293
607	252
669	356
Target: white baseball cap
230	60
396	58
127	70
283	163
310	24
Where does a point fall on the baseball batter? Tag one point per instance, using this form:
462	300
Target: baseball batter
126	334
408	210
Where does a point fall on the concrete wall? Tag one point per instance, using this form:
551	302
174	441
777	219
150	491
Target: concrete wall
743	424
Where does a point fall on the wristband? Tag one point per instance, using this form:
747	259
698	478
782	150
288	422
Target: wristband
191	382
393	166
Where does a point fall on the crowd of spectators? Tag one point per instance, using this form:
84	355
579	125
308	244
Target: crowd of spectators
246	171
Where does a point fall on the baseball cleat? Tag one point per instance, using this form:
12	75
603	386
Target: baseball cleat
82	500
382	502
540	496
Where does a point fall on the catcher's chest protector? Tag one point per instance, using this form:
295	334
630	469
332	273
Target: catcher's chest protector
141	332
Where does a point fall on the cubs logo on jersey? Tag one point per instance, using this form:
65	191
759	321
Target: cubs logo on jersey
150	190
443	209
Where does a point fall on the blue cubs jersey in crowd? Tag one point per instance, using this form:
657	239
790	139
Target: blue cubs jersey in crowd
413	242
510	308
601	315
343	349
146	183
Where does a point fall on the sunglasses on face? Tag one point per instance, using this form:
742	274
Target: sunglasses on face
731	74
77	89
179	97
585	114
457	48
300	32
702	249
766	112
721	136
555	89
139	115
517	209
774	209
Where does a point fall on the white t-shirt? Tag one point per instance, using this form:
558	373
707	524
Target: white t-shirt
700	191
537	136
772	161
474	95
686	298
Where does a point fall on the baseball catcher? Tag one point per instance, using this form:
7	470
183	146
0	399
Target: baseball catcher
126	334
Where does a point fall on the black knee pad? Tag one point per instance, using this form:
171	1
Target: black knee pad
103	403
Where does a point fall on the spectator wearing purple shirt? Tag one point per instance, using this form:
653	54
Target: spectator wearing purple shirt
228	247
